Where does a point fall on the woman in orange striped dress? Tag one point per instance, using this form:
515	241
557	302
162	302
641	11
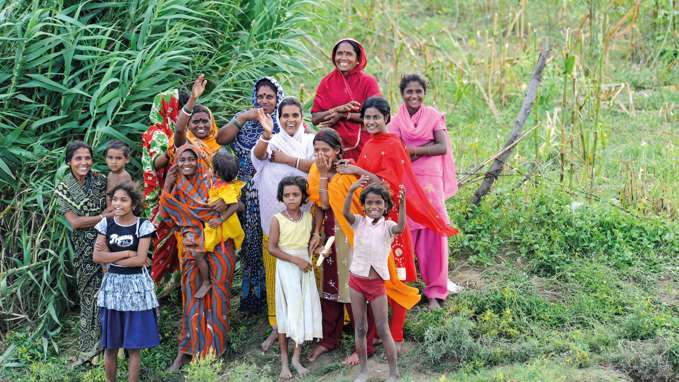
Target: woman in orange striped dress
184	202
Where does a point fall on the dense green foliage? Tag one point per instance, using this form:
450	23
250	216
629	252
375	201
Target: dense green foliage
89	70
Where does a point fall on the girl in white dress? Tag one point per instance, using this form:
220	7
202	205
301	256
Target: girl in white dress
298	306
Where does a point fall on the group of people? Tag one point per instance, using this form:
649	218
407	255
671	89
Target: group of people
318	221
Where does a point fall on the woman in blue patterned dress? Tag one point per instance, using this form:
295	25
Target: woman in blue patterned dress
242	133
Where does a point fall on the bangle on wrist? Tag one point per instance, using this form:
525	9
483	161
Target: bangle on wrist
238	125
297	163
324	178
261	138
186	112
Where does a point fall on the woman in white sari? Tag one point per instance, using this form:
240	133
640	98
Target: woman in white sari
275	156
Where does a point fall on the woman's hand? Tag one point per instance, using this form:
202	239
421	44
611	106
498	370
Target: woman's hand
107	213
250	115
349	169
218	206
198	86
323	164
302	264
277	156
331	119
314	242
348	107
171	178
266	121
215	223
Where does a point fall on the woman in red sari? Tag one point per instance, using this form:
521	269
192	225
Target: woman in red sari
384	158
340	94
184	203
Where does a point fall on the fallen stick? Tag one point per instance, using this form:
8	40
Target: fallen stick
498	163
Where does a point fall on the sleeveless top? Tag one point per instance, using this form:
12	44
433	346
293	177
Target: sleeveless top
294	235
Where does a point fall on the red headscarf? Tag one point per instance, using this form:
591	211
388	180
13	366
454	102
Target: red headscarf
337	89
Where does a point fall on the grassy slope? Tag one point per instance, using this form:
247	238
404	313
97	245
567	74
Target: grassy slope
552	293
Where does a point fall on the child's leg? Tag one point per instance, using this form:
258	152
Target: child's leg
379	308
204	271
285	369
358	308
133	365
396	323
301	370
111	364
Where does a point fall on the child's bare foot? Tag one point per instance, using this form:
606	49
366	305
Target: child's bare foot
318	350
398	345
285	374
434	304
361	377
352	360
202	291
301	370
393	378
269	340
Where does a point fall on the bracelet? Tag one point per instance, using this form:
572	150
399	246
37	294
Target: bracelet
324	189
324	178
238	125
261	138
186	112
347	116
102	216
297	163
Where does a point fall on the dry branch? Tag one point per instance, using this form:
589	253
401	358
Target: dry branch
528	100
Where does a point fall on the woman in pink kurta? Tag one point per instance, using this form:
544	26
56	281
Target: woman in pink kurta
423	130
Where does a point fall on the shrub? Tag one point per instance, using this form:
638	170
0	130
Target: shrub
451	342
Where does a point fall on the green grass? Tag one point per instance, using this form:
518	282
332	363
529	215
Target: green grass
565	281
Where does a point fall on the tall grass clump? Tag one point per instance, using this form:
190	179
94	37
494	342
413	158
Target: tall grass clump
89	70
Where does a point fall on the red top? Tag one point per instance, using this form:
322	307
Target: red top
337	89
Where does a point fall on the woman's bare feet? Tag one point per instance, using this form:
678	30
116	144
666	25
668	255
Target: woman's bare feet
301	370
269	340
361	377
285	374
318	350
434	304
202	291
178	363
353	360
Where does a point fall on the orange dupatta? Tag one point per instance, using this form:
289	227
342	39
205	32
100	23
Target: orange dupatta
207	145
401	293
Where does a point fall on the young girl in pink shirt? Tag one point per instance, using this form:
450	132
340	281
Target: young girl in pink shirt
368	271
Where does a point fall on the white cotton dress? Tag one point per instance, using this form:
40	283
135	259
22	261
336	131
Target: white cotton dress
298	306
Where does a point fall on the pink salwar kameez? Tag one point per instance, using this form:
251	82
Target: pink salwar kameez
437	176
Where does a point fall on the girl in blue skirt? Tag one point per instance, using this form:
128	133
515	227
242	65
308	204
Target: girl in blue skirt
127	300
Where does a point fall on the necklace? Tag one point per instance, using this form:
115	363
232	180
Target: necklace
294	220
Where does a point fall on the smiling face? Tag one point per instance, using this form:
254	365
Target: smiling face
200	124
374	206
122	204
325	150
266	98
345	57
292	197
116	160
374	121
413	95
187	163
291	117
81	162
